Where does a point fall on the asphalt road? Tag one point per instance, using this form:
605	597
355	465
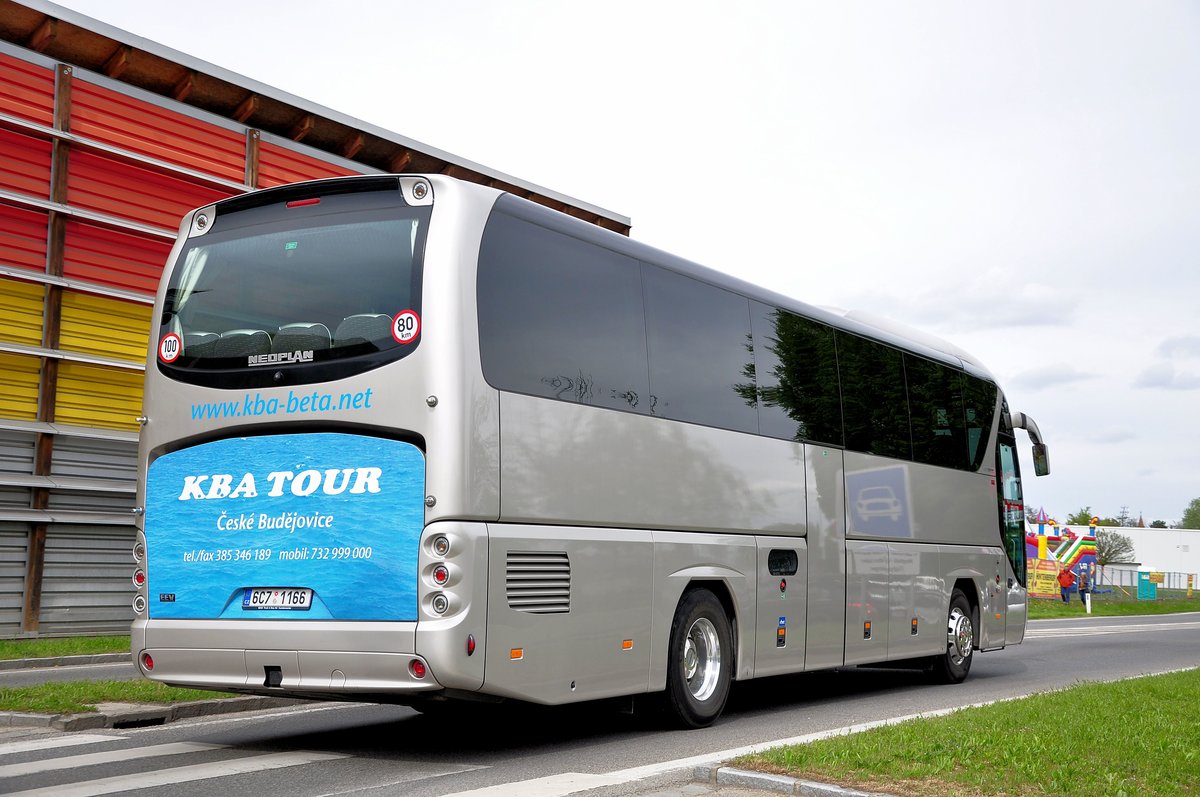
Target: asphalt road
348	749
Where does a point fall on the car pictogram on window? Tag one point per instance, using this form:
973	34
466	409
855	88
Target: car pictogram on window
874	502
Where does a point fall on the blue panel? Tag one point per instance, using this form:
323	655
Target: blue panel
338	514
878	502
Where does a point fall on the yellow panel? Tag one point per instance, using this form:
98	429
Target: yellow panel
103	326
91	395
21	309
19	386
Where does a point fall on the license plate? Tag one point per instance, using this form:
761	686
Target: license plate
278	598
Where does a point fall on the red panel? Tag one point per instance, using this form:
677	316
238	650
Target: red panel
133	192
278	165
22	238
158	132
113	257
26	90
24	164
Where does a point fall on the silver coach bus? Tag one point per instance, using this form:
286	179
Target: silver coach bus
409	439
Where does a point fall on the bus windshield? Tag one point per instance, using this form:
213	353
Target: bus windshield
295	284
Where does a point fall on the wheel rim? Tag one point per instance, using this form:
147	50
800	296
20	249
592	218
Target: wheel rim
702	659
960	636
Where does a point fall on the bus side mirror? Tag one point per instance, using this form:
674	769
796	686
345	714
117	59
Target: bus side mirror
1041	459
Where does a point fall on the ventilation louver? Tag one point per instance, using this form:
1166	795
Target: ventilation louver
538	582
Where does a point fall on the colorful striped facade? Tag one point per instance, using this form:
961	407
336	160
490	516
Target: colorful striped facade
95	173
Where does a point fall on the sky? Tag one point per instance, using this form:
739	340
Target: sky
1019	178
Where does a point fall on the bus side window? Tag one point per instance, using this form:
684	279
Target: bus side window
795	370
698	339
874	401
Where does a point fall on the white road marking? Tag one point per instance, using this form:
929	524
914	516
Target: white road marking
166	777
1100	630
51	742
261	715
110	756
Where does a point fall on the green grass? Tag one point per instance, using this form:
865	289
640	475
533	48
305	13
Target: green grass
66	646
79	697
1115	604
1120	739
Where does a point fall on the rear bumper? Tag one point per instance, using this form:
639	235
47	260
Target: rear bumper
283	658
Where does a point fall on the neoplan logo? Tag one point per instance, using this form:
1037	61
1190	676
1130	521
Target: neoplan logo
277	358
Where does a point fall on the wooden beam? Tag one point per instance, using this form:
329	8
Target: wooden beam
400	162
454	170
62	103
247	108
303	127
116	64
41	38
184	87
35	548
353	145
35	568
252	148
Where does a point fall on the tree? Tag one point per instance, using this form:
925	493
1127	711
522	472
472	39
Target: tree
1191	516
1112	546
1081	518
1158	524
1125	519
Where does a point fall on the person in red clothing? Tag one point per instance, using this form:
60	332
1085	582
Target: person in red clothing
1066	580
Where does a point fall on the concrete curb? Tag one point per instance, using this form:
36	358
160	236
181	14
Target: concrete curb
779	784
65	661
137	715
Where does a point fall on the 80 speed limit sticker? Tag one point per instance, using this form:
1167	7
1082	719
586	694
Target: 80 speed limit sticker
406	326
170	347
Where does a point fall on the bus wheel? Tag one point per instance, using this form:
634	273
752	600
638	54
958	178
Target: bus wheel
952	666
700	660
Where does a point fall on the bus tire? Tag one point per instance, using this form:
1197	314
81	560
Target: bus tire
952	666
700	660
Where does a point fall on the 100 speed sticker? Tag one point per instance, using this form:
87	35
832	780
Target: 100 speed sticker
170	347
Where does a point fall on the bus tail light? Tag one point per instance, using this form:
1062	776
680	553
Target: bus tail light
416	668
139	578
147	662
441	575
139	604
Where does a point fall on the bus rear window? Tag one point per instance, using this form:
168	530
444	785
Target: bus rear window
310	291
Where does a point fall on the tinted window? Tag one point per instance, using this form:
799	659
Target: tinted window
1012	504
796	371
701	356
874	404
561	318
979	402
936	406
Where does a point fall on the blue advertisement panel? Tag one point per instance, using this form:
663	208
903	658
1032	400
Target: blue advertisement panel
286	527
